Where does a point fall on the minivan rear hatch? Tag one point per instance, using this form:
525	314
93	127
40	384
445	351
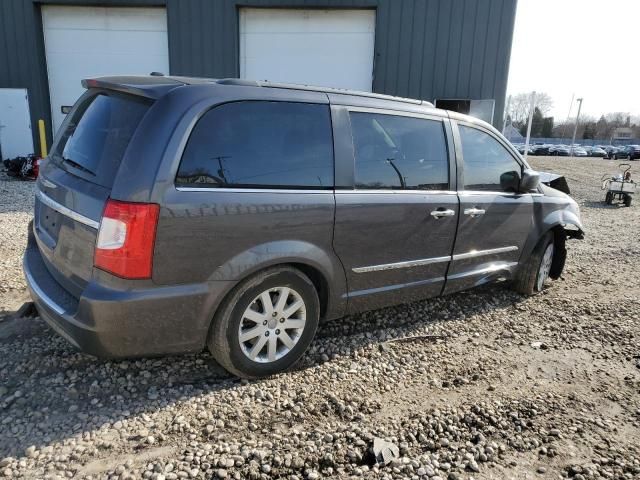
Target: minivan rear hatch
77	178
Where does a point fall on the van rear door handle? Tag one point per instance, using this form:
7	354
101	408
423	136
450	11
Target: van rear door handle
442	213
474	212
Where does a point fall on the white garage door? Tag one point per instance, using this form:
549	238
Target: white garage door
15	123
331	48
83	42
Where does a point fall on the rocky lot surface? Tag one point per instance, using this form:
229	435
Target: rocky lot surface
483	384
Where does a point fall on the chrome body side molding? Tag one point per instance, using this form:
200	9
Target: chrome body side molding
480	253
428	261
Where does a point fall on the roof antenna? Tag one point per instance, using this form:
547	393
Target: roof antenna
157	74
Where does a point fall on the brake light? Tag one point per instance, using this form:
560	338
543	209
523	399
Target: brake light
126	238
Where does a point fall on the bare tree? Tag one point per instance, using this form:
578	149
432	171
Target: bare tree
544	102
520	104
617	119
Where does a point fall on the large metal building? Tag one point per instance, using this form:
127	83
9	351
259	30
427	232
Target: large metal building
453	52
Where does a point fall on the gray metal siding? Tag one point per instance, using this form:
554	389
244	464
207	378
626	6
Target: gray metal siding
423	48
22	56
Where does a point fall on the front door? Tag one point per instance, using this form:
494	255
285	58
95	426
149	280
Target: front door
395	227
494	220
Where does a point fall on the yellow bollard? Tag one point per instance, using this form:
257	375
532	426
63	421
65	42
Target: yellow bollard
43	139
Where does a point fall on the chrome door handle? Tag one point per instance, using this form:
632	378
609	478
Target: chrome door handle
474	212
442	213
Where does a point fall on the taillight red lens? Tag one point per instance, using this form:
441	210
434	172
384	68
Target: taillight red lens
126	238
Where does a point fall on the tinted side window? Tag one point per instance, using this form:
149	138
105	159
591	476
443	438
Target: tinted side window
485	161
399	152
260	144
97	136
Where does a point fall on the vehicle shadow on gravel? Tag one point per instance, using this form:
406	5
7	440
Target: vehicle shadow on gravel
51	393
602	205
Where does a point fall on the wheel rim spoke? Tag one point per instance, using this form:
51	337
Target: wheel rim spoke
257	347
267	303
293	308
282	299
293	323
272	348
252	333
286	340
254	316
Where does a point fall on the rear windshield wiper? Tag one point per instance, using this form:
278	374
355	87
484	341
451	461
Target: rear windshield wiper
77	165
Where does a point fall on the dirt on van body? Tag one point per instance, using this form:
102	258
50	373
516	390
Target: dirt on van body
482	384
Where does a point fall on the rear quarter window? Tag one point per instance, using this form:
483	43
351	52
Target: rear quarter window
260	144
97	136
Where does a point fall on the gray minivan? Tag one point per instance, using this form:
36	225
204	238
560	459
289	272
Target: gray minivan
177	213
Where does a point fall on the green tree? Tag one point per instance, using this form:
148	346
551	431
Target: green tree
547	127
590	129
537	123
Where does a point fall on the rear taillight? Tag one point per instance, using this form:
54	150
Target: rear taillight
125	239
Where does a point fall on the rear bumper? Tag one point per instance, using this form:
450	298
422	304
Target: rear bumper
124	323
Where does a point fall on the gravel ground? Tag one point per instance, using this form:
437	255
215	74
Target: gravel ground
489	384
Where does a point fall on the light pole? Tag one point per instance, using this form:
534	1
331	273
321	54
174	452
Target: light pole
531	108
575	128
506	115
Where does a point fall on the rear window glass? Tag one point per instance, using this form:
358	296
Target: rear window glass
94	142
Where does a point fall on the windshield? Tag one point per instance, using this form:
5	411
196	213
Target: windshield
97	136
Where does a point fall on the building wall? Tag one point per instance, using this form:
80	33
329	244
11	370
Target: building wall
424	49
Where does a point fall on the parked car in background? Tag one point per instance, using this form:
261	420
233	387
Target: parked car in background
630	152
175	214
559	150
597	152
610	150
578	151
540	149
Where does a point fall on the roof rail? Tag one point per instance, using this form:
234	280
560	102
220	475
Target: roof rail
338	91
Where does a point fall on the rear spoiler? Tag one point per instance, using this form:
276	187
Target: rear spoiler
152	87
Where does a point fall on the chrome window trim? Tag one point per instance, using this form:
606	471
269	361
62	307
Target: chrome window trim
42	295
406	264
356	191
435	116
51	203
303	190
252	190
481	253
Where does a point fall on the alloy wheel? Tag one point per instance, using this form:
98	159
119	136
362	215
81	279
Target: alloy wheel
272	324
545	267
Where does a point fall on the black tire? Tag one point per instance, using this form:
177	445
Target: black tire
526	280
627	200
608	198
224	342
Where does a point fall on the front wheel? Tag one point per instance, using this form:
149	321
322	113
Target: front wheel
533	275
266	323
627	200
608	199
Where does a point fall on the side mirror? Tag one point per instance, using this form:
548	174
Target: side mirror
530	181
510	181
